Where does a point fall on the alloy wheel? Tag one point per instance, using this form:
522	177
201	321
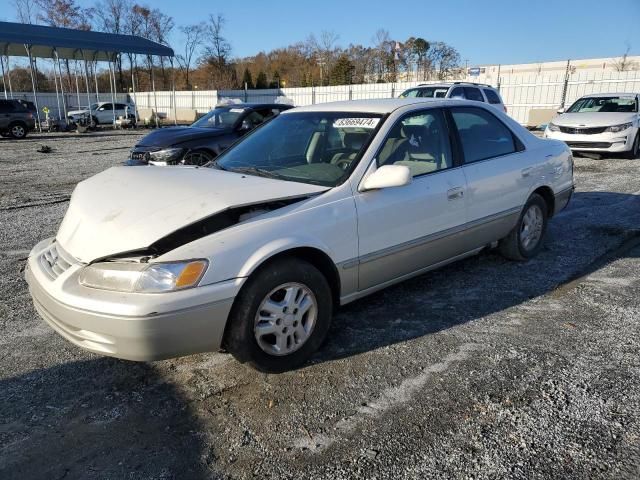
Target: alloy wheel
17	131
285	319
531	228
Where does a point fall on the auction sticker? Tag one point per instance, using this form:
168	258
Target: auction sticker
356	122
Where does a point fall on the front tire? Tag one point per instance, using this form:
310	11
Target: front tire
197	158
635	148
525	240
280	317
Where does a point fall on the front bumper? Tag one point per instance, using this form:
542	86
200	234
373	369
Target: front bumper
602	142
139	327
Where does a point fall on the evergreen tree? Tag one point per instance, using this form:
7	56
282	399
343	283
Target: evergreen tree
342	71
261	80
275	82
247	79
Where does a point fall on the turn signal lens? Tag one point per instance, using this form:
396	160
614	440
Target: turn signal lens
191	274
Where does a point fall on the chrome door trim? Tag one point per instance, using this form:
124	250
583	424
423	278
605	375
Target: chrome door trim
363	293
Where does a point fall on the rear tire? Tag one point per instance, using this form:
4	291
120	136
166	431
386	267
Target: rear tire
280	317
18	130
526	239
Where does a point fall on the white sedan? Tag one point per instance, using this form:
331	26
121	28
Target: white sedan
603	123
316	208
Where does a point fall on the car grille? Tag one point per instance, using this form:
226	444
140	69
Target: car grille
583	131
589	144
55	261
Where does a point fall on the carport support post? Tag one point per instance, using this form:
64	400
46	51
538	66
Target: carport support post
173	91
4	83
64	101
9	77
133	88
94	68
86	82
55	81
78	86
33	85
153	87
113	96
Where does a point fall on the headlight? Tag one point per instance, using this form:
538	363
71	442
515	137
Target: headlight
143	277
619	128
166	155
553	127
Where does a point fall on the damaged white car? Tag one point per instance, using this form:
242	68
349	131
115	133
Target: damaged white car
319	207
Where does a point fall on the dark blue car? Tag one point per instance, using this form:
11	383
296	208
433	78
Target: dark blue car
205	139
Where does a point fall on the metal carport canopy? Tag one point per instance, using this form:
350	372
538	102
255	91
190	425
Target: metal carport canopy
73	44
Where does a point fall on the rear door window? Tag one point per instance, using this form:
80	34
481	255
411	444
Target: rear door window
474	94
482	135
492	96
457	92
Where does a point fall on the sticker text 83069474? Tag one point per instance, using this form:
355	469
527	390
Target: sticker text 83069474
356	122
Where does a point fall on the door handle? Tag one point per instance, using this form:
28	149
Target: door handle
455	193
526	171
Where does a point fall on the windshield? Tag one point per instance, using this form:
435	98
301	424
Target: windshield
225	117
425	92
604	104
320	148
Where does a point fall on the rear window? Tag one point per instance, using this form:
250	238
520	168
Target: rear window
473	93
6	106
492	96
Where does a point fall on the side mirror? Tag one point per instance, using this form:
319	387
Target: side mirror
560	111
387	176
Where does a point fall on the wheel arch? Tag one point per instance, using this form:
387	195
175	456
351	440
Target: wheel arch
313	255
549	198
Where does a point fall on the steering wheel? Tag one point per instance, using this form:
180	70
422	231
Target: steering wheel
343	163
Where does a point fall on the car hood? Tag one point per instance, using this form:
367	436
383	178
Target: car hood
165	137
124	209
78	112
593	119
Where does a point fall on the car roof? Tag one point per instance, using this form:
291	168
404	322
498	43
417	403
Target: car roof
381	106
614	94
256	105
451	84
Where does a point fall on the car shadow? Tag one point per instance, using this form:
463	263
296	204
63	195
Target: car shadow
100	418
580	240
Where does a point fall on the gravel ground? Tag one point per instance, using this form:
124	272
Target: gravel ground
483	369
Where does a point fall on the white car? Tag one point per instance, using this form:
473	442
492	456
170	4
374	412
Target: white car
602	122
478	92
102	112
319	207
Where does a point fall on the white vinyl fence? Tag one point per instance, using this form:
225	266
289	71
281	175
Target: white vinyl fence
521	93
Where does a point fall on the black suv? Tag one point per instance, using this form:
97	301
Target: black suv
15	120
205	139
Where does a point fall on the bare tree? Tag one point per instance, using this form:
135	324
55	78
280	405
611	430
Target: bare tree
624	63
192	35
26	11
66	14
217	49
111	16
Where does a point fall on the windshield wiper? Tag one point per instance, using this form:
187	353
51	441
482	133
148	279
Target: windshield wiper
260	172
